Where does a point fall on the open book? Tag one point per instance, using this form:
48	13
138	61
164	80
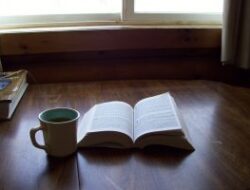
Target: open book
153	121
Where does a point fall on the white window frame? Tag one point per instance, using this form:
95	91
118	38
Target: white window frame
128	16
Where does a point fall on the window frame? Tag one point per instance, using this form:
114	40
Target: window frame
127	16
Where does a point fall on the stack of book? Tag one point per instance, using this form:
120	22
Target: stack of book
12	87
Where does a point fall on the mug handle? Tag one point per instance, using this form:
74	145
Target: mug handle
33	132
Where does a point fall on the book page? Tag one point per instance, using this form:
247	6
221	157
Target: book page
112	116
84	124
155	114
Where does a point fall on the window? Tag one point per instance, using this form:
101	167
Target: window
178	6
13	12
175	11
40	12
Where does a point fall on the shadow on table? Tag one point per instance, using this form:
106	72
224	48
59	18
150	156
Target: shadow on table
162	155
54	162
107	156
59	173
149	155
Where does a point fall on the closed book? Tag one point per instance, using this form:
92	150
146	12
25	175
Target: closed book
12	93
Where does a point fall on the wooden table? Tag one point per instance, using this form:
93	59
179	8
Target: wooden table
217	116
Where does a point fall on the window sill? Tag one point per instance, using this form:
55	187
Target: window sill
102	26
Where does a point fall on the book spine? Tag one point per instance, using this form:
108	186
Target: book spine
1	66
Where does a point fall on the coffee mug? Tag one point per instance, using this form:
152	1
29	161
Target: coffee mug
59	127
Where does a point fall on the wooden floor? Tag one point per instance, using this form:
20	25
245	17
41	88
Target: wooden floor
216	114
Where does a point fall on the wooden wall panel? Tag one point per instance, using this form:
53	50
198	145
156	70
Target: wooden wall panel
112	54
76	67
103	40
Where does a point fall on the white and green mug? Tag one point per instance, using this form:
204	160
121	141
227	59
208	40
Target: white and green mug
59	127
